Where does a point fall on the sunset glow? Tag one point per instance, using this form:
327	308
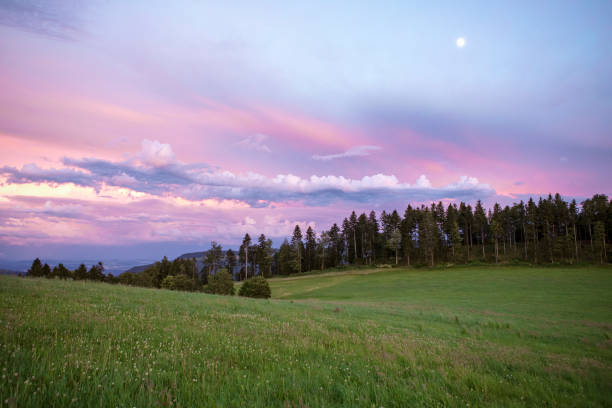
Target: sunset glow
127	124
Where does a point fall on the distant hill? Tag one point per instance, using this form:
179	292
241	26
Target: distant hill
190	255
8	272
139	268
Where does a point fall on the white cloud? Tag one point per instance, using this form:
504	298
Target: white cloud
423	182
255	142
156	154
357	151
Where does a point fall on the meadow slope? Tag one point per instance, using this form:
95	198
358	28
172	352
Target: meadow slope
477	336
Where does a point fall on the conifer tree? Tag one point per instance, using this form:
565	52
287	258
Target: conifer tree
599	238
408	226
230	258
311	248
480	219
46	270
246	242
80	273
36	269
284	258
296	245
322	245
373	230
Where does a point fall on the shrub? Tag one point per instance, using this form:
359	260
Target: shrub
221	283
179	282
255	287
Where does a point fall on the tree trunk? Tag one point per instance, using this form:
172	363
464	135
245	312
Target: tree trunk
323	260
525	240
535	245
362	246
355	245
496	249
550	241
482	241
575	243
467	243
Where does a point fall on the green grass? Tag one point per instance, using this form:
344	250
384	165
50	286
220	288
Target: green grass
483	336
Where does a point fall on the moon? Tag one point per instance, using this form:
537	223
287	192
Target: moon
460	42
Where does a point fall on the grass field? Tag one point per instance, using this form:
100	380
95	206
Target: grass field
477	336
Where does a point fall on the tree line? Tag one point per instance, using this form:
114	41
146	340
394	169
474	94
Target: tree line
94	273
549	230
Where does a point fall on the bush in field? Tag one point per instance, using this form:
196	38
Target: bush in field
221	283
255	287
179	282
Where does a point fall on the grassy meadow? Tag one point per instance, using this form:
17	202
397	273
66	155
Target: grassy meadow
464	336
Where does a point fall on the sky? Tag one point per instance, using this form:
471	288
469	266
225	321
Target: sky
147	128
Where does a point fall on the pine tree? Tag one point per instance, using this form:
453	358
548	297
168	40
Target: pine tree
284	258
311	248
246	242
373	231
36	269
599	240
481	222
362	236
465	220
451	229
573	219
264	256
455	238
46	270
64	273
347	235
394	243
427	235
532	222
408	226
96	272
297	247
337	242
496	228
322	245
353	231
80	273
230	258
213	258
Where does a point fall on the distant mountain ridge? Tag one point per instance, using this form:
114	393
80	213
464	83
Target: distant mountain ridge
190	255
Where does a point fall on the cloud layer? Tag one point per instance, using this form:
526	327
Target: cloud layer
156	171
